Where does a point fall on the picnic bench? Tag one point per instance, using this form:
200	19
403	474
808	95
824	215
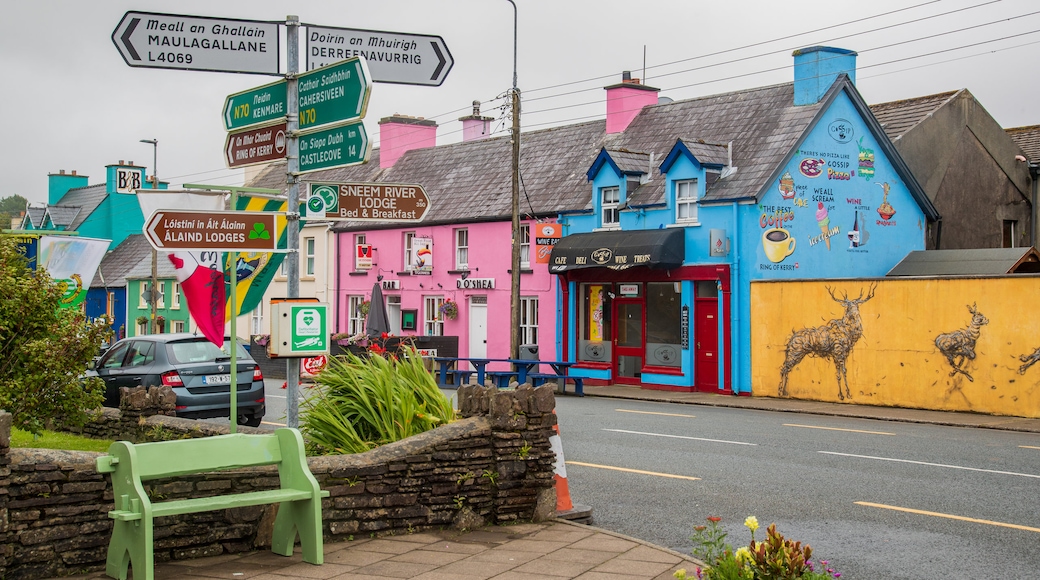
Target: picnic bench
132	464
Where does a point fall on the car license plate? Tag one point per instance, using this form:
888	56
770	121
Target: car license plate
216	380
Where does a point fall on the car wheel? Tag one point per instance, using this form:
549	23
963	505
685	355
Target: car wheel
250	420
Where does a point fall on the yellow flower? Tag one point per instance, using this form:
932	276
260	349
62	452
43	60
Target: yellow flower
680	574
751	523
743	554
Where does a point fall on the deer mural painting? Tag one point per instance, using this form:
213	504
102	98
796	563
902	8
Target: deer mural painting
833	341
959	346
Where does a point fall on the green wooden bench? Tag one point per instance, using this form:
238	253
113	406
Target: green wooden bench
299	496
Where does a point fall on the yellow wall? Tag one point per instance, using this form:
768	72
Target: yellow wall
896	361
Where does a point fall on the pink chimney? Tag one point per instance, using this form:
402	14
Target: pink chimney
475	126
624	101
400	134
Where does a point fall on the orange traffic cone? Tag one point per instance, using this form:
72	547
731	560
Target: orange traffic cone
564	507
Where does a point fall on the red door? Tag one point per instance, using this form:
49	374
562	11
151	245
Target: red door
706	344
628	341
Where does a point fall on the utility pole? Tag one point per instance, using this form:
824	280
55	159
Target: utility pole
153	295
514	300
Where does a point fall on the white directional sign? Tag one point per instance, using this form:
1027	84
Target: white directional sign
173	41
392	57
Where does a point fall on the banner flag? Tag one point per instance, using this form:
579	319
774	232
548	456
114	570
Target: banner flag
72	262
253	271
199	273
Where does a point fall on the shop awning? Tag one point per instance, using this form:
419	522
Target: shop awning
618	250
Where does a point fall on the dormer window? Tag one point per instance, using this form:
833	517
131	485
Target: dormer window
686	201
610	197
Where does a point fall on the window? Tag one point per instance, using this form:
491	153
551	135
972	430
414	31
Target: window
409	256
686	201
142	352
161	301
462	249
175	297
308	246
256	319
664	324
1010	231
178	326
594	318
142	328
610	197
144	304
356	322
433	323
525	249
528	320
359	240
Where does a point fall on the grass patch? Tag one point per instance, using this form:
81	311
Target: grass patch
57	440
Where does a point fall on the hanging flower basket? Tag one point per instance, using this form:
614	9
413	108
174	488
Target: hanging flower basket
363	307
449	310
142	319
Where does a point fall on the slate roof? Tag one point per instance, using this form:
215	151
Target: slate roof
1028	138
35	214
898	117
62	215
471	181
979	262
164	268
121	260
708	153
87	199
630	162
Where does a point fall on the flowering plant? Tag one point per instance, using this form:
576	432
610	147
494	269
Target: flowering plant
776	558
450	309
363	307
347	339
261	339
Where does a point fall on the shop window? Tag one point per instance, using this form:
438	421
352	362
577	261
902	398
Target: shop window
594	333
356	320
433	322
663	324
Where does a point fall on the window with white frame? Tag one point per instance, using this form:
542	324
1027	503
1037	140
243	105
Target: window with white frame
528	320
359	240
462	249
160	302
142	328
175	297
686	201
433	322
256	319
356	322
525	246
409	256
308	246
178	326
610	197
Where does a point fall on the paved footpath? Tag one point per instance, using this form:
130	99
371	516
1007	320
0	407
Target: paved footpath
555	550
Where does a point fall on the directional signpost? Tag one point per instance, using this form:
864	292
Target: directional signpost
219	231
393	57
384	202
255	106
334	93
337	146
255	145
175	41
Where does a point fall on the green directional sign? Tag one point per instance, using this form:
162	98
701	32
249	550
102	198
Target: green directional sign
334	93
255	106
337	146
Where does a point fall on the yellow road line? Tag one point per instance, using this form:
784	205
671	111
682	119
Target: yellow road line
653	413
627	470
948	516
837	429
1028	447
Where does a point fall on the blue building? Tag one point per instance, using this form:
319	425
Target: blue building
696	199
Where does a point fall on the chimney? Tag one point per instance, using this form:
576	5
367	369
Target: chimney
58	184
815	70
400	134
475	126
625	100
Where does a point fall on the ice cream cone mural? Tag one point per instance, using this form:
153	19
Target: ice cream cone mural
824	221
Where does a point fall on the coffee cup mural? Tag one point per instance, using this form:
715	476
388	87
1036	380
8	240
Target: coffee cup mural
778	244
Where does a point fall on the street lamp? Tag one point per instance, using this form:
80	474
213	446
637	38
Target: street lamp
153	297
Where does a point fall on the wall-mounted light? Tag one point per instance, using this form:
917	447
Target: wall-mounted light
379	277
421	286
465	275
439	285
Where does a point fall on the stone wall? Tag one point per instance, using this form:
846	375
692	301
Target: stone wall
494	465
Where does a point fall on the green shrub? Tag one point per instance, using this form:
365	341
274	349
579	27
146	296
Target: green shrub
361	403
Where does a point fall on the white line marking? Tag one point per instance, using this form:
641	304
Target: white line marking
932	464
837	429
654	413
679	437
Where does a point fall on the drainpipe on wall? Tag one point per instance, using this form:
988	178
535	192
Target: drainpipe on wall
734	284
1034	173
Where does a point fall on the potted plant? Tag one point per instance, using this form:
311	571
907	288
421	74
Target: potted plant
347	339
449	310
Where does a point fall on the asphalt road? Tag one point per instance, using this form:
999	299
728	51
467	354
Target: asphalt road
877	499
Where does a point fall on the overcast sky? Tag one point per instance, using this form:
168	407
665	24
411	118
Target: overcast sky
71	102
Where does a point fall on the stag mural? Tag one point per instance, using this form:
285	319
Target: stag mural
959	346
833	341
1029	360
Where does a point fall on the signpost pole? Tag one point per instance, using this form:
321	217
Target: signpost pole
292	365
234	332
